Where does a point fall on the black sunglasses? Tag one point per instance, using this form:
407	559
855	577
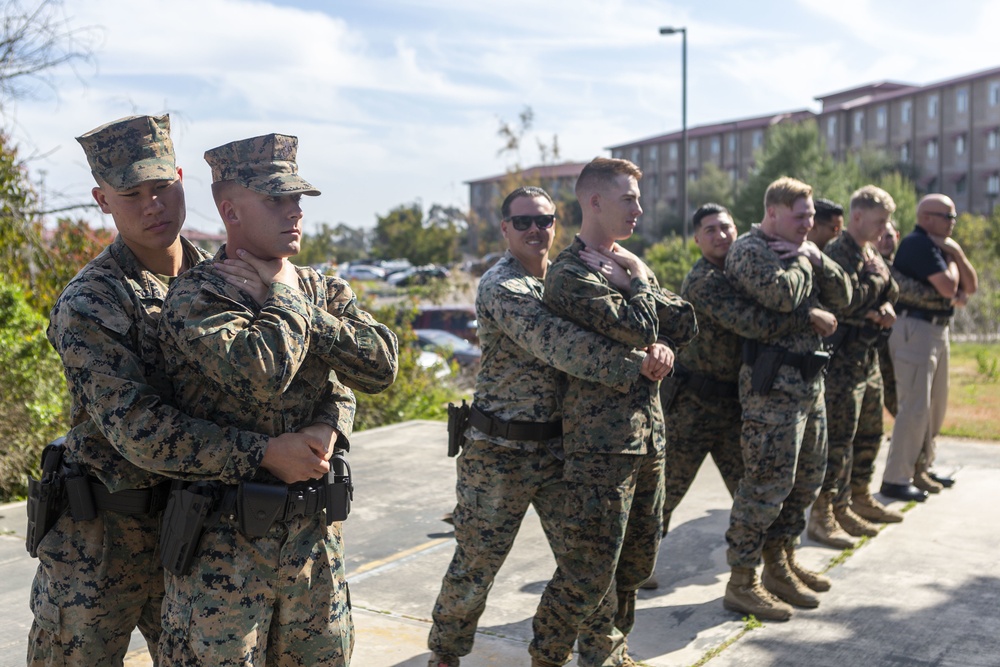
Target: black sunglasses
523	222
950	216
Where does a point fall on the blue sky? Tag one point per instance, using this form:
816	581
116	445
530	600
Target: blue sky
396	101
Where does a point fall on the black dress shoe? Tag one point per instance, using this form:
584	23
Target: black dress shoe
903	492
944	480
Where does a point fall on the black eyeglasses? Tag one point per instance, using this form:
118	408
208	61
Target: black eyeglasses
523	222
950	216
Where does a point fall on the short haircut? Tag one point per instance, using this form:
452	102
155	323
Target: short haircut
826	210
529	191
705	210
872	197
602	171
785	192
222	190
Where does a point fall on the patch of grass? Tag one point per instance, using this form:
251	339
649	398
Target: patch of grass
974	392
749	623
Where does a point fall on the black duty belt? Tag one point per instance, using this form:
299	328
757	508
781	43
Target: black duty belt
149	501
706	386
296	500
809	364
938	318
512	430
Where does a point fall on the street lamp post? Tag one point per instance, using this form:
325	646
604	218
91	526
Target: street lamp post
684	124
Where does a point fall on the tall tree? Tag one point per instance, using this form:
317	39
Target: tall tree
404	232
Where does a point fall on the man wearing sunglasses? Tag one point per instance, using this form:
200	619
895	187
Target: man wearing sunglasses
614	442
919	348
513	450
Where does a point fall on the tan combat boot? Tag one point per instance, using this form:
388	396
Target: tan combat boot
745	595
779	580
823	528
814	580
865	505
853	524
923	481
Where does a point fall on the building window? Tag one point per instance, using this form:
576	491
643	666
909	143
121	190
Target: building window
932	103
673	150
993	184
859	121
904	152
733	174
671	180
960	145
715	145
732	142
618	153
960	184
932	148
831	128
636	154
692	175
880	118
962	100
904	112
993	139
758	138
654	153
994	93
693	149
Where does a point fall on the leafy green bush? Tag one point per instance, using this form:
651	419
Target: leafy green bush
35	402
416	393
670	260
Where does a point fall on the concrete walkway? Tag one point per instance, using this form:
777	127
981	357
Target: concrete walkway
925	592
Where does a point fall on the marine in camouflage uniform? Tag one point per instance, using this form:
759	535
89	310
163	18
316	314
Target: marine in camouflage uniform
526	350
704	417
271	366
783	434
853	378
99	579
613	442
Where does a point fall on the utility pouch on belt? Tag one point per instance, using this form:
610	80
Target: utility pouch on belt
813	365
766	364
79	494
669	386
46	496
339	488
458	424
258	505
183	524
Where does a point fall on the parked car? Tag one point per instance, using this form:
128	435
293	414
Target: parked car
417	275
362	272
478	267
459	320
449	346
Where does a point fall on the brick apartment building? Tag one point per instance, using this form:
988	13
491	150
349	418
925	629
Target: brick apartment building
948	131
485	194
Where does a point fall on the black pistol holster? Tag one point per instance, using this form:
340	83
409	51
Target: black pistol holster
458	424
46	496
669	386
765	362
188	513
339	488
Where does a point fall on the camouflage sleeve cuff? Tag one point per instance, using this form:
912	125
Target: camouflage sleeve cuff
247	454
290	299
628	371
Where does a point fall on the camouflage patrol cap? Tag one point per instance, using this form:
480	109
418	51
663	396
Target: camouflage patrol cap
263	164
128	151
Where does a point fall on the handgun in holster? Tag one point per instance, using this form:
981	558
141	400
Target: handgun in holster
46	496
458	424
339	488
188	512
